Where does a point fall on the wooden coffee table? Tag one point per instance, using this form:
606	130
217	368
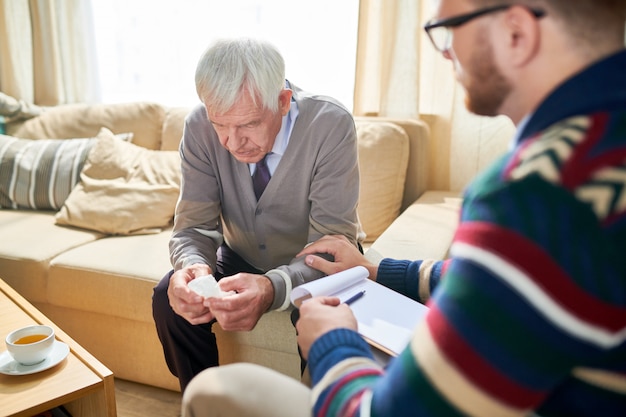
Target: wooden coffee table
80	382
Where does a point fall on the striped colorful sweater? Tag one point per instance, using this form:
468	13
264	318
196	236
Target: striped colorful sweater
528	316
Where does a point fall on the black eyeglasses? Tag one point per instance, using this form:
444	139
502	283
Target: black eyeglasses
440	31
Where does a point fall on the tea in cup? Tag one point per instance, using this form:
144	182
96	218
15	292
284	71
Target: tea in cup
30	345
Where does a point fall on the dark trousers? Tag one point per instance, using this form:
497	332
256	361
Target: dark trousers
190	349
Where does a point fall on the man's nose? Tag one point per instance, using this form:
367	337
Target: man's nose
232	138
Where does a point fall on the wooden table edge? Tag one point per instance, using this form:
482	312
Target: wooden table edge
81	354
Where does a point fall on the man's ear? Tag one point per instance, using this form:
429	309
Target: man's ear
284	101
523	35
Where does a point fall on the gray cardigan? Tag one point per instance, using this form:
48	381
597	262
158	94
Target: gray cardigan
313	192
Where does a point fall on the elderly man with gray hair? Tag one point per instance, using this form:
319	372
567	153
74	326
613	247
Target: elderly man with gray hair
266	169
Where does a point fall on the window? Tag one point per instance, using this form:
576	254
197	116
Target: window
148	49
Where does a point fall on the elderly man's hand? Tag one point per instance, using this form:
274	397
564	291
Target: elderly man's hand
242	310
185	302
318	316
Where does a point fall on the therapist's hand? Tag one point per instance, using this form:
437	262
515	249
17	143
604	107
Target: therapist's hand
318	316
346	256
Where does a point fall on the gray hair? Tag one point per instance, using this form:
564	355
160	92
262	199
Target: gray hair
231	66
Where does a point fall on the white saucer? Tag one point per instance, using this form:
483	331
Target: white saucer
8	366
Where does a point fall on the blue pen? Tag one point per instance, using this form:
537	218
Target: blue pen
355	297
295	313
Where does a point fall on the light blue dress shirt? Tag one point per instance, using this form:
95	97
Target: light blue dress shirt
282	139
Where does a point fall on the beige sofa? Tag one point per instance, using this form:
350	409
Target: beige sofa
97	285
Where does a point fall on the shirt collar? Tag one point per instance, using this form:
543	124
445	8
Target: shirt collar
283	136
599	87
282	139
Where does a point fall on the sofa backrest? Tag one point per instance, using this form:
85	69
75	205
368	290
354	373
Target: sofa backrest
143	119
173	124
393	153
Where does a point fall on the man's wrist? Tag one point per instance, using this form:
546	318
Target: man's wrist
268	293
373	271
282	285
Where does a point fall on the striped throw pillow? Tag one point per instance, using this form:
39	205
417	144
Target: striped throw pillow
40	173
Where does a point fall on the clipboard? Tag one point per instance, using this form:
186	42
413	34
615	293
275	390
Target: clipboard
386	319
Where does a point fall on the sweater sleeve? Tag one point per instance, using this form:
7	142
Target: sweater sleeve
508	325
197	233
414	279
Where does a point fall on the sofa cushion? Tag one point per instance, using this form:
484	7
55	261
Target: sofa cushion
383	158
423	231
85	120
39	174
173	126
30	239
124	189
12	109
114	275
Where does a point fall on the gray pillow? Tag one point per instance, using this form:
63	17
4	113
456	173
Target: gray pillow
40	173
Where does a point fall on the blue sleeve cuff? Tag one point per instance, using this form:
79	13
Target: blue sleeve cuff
400	276
332	348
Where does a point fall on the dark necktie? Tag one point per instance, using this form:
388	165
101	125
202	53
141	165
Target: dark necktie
261	177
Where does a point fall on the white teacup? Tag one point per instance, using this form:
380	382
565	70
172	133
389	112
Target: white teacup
30	345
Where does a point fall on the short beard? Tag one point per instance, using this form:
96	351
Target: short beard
487	88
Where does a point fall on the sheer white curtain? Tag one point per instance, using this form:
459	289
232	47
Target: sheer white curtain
387	76
46	51
148	49
399	74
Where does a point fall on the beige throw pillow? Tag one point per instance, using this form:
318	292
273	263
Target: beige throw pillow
124	189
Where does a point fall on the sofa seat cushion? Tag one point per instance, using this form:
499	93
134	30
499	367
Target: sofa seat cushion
30	239
114	275
423	231
383	150
143	119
